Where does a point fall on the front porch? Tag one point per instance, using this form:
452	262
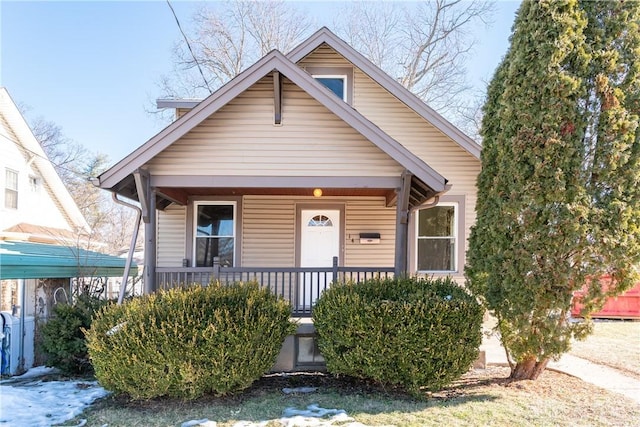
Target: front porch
300	286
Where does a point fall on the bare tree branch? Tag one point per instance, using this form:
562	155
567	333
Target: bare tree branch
373	30
229	36
425	45
111	224
63	153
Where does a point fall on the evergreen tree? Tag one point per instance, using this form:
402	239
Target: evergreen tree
558	195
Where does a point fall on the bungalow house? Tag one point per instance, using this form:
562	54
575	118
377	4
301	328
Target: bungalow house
305	168
42	235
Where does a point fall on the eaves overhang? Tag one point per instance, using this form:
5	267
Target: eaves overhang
178	103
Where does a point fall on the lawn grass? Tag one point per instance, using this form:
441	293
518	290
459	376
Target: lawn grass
480	398
614	343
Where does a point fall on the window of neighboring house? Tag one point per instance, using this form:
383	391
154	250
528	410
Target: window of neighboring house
215	233
11	189
437	238
336	83
34	184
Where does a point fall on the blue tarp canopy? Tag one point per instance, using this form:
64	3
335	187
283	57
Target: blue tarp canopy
27	260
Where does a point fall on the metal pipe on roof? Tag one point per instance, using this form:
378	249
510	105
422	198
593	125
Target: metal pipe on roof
132	247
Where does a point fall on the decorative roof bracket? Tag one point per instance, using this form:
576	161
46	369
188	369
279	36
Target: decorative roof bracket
277	98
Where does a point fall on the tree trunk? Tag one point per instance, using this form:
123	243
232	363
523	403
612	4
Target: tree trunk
528	369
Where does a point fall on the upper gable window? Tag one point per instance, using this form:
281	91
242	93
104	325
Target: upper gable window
337	84
339	80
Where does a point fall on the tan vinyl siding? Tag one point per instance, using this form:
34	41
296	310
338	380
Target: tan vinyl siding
241	139
171	234
424	140
268	235
324	56
369	215
269	226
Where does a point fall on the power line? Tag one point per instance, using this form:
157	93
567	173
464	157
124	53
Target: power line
22	147
189	46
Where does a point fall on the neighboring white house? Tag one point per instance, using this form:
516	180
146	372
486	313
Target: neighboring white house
35	203
42	234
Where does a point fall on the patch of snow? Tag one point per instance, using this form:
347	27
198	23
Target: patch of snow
288	390
44	403
312	416
40	403
199	423
251	424
38	371
311	411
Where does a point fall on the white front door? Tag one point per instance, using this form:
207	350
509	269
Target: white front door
319	243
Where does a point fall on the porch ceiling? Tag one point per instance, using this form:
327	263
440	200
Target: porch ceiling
181	195
167	194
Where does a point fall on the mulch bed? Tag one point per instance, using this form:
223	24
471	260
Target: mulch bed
467	385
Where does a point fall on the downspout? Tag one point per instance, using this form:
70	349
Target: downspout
132	247
23	300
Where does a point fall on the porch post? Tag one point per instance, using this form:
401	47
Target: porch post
147	198
216	268
402	225
150	246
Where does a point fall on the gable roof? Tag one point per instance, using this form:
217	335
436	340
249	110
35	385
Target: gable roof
38	233
324	35
273	61
27	142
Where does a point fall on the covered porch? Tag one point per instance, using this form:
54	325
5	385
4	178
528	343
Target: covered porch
294	281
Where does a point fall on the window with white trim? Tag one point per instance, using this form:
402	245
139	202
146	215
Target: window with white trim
437	238
11	189
214	233
34	184
336	83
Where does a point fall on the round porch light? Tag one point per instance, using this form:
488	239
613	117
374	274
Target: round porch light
317	192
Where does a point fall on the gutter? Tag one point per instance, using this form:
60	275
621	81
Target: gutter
436	200
132	247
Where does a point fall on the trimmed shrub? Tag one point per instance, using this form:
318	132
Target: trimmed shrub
63	340
410	332
189	342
